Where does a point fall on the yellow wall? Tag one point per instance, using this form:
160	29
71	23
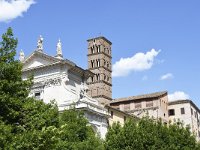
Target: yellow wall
117	117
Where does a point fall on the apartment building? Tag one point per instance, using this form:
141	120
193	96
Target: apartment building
187	112
154	105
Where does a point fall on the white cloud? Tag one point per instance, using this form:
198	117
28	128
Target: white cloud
167	76
138	62
178	95
11	9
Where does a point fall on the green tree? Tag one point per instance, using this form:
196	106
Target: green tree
26	123
72	133
13	90
148	134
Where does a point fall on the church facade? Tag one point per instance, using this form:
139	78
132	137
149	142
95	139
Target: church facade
59	79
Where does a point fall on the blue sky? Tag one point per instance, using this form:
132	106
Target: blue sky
171	28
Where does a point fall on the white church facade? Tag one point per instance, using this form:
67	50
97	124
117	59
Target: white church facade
59	79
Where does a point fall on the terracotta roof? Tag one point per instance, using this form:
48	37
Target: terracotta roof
184	101
145	96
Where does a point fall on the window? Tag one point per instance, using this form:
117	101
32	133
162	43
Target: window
37	95
98	77
107	78
98	62
191	111
107	65
149	104
171	112
92	50
138	105
98	49
92	79
92	63
124	118
111	113
182	111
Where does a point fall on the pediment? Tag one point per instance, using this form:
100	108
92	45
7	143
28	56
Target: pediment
37	59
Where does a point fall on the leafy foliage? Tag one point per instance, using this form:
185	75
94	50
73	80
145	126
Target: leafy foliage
13	90
148	134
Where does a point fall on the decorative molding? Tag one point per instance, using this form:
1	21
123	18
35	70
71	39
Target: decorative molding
53	82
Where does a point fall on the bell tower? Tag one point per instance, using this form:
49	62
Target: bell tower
100	63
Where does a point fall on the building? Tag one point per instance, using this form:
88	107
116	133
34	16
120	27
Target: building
90	90
154	105
119	116
100	63
188	113
59	79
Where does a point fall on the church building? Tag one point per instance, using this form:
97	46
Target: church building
59	79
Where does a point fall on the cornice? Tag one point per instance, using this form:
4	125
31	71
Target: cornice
101	81
101	67
99	53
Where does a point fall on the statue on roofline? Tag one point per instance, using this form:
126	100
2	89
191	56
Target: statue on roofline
21	56
40	43
59	49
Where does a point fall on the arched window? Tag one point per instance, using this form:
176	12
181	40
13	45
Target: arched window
92	63
98	77
92	50
107	65
98	48
98	62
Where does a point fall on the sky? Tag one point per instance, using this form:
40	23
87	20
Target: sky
156	44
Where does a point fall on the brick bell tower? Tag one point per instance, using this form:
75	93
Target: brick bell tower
100	63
